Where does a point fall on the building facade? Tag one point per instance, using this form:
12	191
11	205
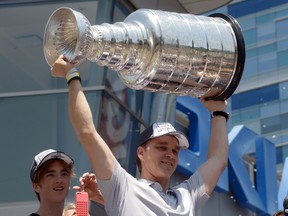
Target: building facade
261	101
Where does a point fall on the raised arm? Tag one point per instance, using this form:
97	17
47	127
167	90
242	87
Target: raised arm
101	158
217	154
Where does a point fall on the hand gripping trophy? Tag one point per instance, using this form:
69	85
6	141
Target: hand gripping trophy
155	50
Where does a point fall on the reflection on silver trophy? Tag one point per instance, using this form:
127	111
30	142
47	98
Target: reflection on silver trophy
155	50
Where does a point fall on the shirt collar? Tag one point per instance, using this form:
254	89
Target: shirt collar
147	182
155	185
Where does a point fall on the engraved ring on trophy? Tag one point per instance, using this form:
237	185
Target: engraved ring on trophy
159	51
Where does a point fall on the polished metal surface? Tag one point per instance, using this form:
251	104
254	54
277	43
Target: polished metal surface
155	50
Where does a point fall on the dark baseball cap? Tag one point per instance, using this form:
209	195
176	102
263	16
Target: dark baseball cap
163	128
46	155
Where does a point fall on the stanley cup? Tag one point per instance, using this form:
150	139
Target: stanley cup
159	51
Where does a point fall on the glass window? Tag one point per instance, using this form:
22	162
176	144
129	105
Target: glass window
251	67
266	49
283	90
281	13
285	151
267	63
247	22
266	32
268	93
22	56
269	109
284	138
282	57
245	115
250	113
284	120
251	53
270	124
284	105
282	45
236	119
281	28
249	117
119	13
253	125
264	19
40	122
274	123
250	37
254	97
274	138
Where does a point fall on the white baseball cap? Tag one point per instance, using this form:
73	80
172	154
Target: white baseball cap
46	155
163	128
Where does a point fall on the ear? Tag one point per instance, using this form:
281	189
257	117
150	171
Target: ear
140	151
36	187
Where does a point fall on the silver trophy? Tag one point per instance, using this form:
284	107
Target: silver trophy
155	50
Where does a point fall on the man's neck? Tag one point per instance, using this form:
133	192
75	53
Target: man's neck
164	182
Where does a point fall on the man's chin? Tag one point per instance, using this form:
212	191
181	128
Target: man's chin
168	171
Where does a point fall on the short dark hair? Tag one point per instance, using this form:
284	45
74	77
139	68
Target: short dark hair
139	165
279	213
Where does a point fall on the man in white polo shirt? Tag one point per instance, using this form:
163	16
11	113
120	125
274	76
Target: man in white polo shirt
158	158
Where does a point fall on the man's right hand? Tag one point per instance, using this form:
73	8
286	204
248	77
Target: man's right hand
61	67
88	183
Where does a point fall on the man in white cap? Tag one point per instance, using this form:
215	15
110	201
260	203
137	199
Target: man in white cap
158	156
51	173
